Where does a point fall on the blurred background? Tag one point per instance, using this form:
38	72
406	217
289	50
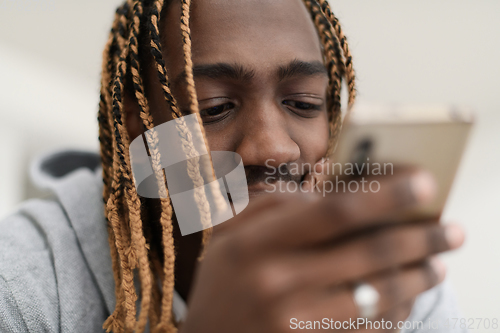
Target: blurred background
418	52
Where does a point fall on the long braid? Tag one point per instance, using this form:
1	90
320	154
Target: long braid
156	51
343	52
349	70
105	100
127	309
334	66
129	260
134	204
334	42
350	75
112	189
168	278
110	57
164	322
115	321
194	107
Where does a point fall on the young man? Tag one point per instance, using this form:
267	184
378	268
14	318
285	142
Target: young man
265	80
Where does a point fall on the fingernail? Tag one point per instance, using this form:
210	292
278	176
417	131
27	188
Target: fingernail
439	267
454	236
423	186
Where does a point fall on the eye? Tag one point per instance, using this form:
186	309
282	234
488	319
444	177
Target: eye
303	109
301	105
216	113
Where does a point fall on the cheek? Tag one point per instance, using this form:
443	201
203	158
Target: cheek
312	139
222	138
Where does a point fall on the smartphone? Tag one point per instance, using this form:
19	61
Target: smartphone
376	139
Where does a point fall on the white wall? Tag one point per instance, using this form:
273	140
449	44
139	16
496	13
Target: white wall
50	54
437	51
418	51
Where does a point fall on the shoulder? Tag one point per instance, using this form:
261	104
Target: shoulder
28	288
27	237
46	283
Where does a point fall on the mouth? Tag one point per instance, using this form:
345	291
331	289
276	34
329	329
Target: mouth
262	181
280	186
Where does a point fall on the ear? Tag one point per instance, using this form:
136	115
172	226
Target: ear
133	121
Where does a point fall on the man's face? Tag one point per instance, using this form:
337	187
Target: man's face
260	81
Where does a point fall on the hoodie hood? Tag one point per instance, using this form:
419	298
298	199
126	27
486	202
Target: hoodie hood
52	168
75	178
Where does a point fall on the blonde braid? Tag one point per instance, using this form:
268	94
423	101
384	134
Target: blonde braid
332	40
334	65
194	107
349	70
128	257
349	74
112	190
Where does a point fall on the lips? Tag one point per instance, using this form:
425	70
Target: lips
262	180
262	188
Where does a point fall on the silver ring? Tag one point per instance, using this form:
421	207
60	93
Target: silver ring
366	298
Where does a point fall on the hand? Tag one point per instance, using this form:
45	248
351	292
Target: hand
298	256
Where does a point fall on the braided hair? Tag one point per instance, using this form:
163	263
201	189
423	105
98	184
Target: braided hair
136	27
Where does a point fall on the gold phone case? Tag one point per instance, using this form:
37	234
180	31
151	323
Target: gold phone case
432	138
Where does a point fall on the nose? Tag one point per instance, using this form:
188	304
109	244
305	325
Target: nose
266	138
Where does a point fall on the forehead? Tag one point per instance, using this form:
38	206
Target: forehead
257	33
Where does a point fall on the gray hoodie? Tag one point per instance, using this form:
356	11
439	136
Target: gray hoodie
55	266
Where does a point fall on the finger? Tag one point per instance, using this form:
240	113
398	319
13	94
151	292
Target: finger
306	223
366	255
397	288
259	206
394	289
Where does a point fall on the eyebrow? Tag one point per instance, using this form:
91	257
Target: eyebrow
219	71
216	71
301	68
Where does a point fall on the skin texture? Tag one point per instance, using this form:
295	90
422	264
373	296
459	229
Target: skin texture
287	255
